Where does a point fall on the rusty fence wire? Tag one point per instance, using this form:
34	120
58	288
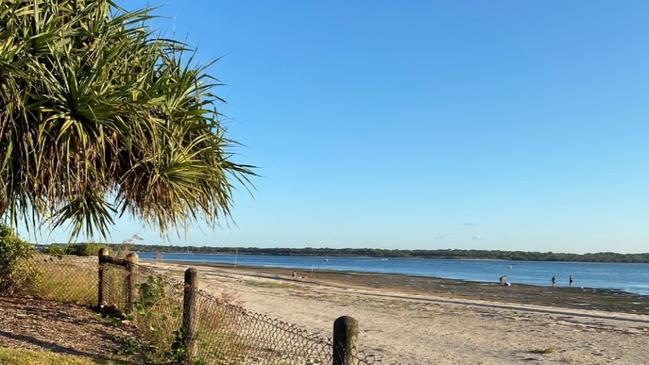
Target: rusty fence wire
224	332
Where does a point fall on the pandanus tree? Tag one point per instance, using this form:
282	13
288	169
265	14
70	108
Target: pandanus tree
99	117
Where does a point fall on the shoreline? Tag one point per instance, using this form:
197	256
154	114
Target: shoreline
609	300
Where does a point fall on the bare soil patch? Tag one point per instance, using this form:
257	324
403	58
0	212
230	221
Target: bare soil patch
57	327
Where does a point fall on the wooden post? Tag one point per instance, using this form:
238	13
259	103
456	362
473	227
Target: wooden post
131	281
189	310
101	285
345	341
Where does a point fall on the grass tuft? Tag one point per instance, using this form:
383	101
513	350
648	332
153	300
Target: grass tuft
544	351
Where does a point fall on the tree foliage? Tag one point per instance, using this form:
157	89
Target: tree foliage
76	249
101	117
396	253
15	272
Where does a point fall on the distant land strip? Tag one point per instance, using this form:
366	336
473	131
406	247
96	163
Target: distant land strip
389	253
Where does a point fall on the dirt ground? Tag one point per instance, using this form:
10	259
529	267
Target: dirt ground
57	327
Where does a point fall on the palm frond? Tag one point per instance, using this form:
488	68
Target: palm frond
99	117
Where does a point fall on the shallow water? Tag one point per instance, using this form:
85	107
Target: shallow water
624	276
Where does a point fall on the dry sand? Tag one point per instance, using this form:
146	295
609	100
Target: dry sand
413	328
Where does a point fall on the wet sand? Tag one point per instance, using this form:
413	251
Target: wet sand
564	297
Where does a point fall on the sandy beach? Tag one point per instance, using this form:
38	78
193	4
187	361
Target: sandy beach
418	324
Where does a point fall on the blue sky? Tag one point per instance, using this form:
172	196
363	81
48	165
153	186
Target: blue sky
429	124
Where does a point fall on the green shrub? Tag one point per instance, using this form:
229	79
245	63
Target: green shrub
84	249
158	316
54	250
77	249
16	272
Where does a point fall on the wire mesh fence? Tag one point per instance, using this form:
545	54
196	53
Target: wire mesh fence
158	313
224	333
114	286
221	332
69	279
229	334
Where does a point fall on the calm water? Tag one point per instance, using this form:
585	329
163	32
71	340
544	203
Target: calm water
630	277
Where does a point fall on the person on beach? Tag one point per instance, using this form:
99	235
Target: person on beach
554	281
502	280
570	281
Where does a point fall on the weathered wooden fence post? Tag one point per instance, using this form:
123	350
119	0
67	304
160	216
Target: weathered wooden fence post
131	281
189	310
345	341
101	284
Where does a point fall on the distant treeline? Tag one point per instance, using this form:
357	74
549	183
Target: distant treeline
379	252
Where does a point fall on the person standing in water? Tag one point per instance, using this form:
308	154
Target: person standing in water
554	281
570	281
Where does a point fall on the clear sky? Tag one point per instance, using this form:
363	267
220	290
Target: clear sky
429	124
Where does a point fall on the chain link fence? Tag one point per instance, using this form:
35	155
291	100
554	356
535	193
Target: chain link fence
225	333
222	332
158	313
115	287
230	334
68	279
